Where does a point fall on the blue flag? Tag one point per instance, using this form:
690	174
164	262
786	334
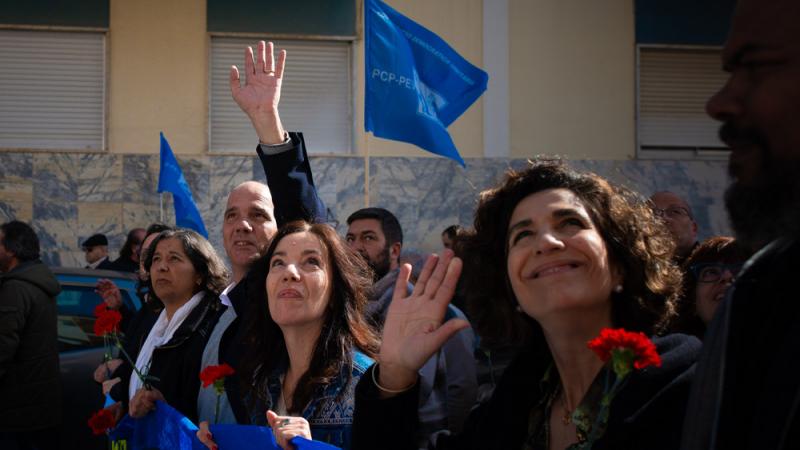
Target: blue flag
170	179
416	84
167	429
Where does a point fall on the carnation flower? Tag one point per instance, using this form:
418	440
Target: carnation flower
101	421
107	322
625	347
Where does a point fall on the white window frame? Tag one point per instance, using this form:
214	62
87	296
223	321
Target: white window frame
314	148
103	32
673	153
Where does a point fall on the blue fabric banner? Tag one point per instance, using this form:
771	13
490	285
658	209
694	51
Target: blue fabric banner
167	429
416	84
170	179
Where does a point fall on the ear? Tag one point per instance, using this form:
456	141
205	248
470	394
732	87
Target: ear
394	252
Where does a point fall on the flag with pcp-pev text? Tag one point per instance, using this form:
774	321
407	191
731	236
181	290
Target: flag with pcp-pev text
170	179
417	85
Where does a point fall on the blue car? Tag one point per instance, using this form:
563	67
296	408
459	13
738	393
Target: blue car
81	351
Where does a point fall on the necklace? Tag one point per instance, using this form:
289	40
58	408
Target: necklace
566	419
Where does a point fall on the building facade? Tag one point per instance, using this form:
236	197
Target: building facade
616	86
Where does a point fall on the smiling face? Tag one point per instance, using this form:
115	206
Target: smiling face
248	226
173	276
557	260
708	295
299	282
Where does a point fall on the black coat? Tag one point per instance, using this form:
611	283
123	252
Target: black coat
30	381
646	414
747	391
177	363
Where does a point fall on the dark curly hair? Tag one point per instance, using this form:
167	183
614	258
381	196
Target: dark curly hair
343	330
638	244
213	273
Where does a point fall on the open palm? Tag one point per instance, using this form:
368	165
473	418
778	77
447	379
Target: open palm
263	78
413	330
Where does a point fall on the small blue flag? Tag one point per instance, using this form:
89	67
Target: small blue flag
170	179
417	85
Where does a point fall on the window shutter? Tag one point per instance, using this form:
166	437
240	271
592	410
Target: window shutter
674	86
52	90
315	99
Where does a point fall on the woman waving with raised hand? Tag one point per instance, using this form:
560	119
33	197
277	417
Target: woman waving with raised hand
556	257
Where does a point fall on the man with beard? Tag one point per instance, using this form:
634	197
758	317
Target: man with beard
448	381
746	391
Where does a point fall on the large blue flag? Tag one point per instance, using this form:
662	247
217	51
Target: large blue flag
167	429
170	179
417	85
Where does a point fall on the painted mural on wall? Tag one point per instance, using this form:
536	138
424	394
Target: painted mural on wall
70	196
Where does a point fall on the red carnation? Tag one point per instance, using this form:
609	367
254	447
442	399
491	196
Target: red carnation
212	374
101	421
625	347
100	309
107	322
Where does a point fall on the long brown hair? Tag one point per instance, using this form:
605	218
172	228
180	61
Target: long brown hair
344	327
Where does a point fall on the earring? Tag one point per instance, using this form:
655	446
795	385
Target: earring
618	289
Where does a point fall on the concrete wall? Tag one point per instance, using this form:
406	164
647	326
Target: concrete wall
158	75
572	78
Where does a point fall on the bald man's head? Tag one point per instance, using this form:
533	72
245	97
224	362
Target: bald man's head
248	225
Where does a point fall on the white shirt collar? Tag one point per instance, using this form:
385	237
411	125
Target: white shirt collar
97	263
223	297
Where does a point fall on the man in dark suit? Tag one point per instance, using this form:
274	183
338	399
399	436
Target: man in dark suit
746	393
96	252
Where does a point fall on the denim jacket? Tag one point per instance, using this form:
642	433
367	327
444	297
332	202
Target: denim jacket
330	413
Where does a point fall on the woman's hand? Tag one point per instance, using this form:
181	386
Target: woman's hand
143	402
205	437
105	369
286	427
109	292
108	384
413	330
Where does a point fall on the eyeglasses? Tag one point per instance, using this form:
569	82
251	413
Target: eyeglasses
713	272
673	212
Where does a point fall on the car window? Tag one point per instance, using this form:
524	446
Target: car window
75	316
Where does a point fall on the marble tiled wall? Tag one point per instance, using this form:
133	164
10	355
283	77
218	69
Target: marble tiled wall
69	196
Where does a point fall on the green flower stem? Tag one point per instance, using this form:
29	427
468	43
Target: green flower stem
143	378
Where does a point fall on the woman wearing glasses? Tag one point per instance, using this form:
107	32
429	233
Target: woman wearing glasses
709	270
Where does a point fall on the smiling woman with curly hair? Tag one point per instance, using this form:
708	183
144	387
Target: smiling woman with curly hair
555	257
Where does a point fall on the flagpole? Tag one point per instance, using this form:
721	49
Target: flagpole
366	170
161	207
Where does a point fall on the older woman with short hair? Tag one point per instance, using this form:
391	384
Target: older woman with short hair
185	276
555	257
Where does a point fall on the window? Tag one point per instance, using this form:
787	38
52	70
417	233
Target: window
674	84
678	68
316	97
76	318
52	90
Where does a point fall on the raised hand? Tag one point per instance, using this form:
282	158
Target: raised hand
260	95
109	292
413	330
285	428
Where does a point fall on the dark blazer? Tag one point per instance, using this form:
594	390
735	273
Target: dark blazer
646	414
30	381
746	394
176	364
295	197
